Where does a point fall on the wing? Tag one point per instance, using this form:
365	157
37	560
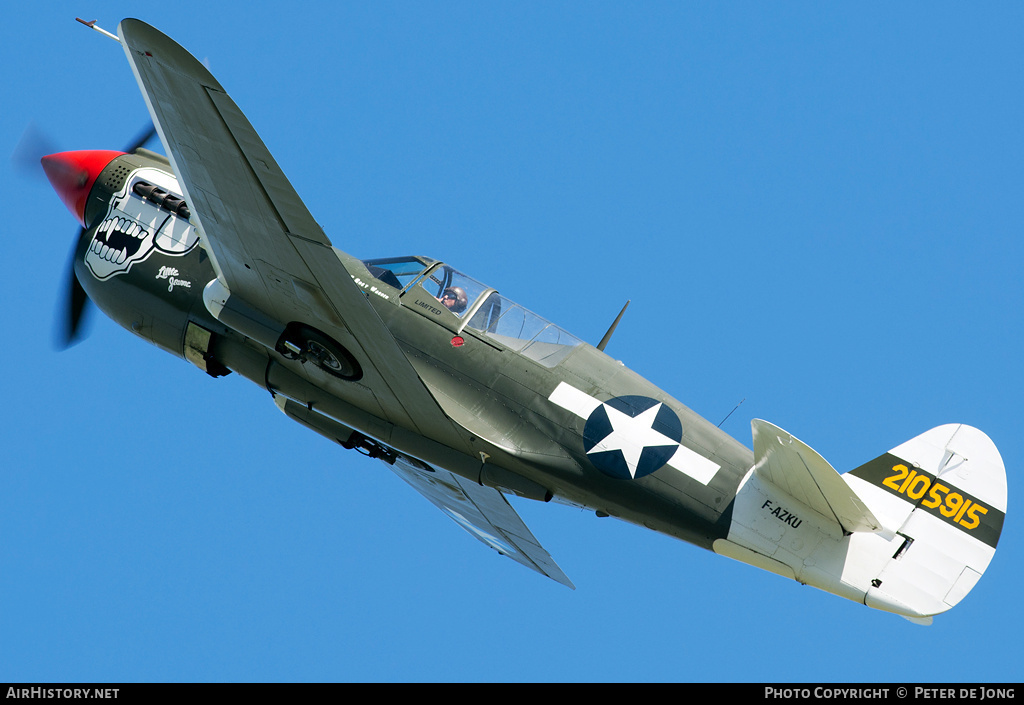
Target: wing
266	248
482	511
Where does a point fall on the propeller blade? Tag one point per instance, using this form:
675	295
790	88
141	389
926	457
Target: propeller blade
142	138
75	299
32	146
71	174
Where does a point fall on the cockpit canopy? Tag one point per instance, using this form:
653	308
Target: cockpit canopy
479	307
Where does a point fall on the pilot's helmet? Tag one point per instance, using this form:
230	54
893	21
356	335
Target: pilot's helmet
458	296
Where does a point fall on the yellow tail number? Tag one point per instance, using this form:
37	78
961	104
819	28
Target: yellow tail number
951	504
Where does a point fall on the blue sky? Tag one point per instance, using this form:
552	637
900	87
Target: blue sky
815	208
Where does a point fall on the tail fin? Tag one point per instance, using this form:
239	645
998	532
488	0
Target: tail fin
910	532
944	493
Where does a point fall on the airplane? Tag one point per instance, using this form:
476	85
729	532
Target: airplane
211	255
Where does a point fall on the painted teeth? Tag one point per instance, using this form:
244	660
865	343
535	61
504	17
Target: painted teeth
105	245
123	226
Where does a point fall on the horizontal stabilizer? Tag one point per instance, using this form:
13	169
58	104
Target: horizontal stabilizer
796	469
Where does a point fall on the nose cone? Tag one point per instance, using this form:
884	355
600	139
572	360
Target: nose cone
72	175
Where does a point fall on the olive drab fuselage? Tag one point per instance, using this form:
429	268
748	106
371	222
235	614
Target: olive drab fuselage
499	397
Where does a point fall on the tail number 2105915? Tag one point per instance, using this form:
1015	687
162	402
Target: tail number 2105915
949	503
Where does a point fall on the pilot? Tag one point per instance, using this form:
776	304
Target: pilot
454	299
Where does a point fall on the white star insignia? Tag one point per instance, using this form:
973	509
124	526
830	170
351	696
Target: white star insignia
631	434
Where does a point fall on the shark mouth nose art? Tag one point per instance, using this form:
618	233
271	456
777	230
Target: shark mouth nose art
146	216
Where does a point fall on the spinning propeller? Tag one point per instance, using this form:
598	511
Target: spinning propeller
72	175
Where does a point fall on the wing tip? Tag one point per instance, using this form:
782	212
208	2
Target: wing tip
142	39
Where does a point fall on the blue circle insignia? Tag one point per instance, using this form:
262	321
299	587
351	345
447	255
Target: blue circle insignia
630	437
